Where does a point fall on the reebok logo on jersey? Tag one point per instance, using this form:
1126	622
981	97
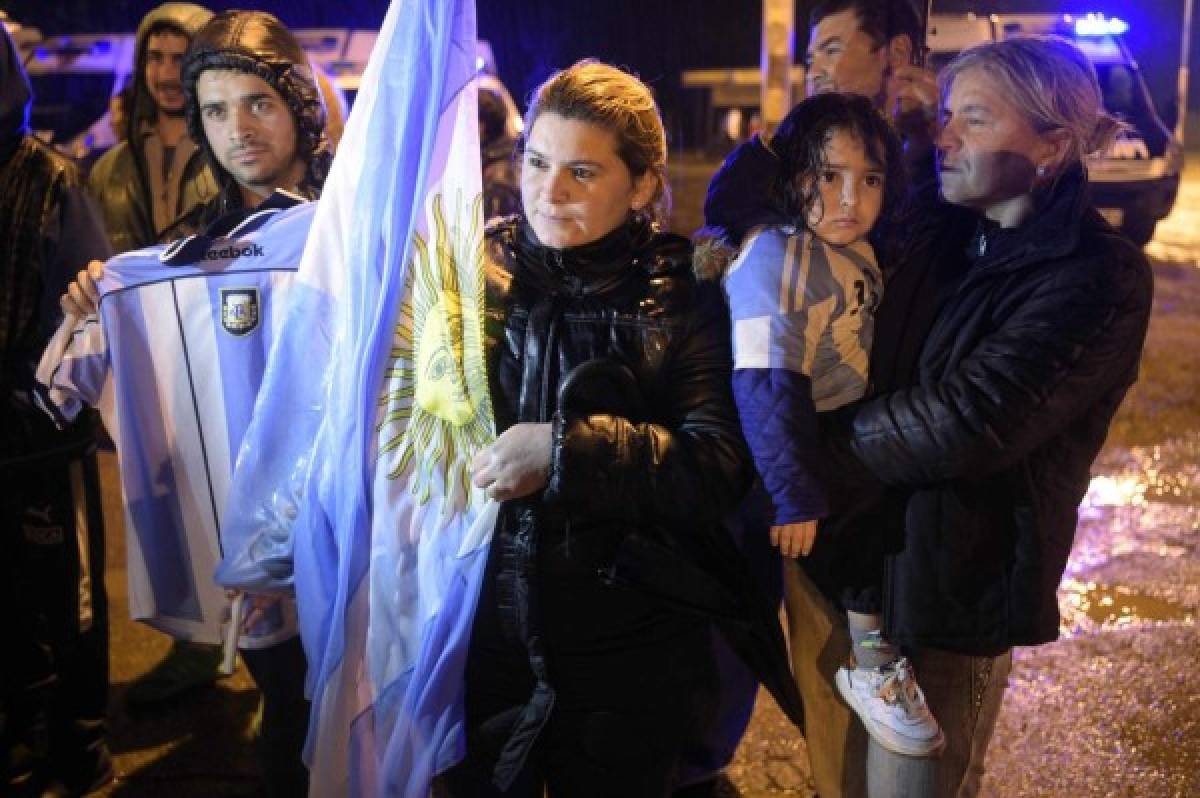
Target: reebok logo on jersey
228	253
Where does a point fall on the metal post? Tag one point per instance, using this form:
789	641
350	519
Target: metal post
1184	56
921	48
778	46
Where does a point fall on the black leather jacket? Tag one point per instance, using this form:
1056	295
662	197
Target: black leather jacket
619	346
676	461
1018	380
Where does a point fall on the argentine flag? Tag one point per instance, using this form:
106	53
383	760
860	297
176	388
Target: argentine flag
352	482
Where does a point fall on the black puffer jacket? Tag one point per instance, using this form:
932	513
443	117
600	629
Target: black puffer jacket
647	451
1018	381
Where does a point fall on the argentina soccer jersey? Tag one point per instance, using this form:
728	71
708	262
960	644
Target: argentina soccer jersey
173	360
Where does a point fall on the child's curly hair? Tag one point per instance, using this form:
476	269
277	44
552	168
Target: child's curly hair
800	145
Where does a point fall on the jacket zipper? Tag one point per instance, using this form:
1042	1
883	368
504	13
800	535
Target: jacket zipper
550	356
550	343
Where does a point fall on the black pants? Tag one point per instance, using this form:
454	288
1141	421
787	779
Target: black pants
847	560
279	673
580	754
705	757
633	684
54	673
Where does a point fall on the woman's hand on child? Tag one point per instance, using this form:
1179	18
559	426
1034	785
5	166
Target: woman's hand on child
794	540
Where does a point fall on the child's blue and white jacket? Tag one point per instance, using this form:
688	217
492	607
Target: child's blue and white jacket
803	321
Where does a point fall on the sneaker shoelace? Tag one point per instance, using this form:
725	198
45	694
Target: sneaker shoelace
898	687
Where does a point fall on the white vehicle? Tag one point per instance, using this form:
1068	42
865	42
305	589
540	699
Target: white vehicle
1134	184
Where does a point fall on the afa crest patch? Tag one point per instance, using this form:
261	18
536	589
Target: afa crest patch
239	310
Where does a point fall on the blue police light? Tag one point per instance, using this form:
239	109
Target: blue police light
1100	25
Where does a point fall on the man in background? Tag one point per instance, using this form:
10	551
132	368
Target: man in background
155	172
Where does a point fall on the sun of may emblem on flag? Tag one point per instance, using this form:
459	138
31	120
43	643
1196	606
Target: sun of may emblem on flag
437	409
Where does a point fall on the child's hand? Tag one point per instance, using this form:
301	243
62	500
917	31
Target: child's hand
794	540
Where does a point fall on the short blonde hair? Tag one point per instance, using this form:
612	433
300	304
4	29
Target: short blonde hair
1051	82
592	91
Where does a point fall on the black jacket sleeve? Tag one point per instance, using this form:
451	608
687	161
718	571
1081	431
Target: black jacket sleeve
692	466
72	237
1077	335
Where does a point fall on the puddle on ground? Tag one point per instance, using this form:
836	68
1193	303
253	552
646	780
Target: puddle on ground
1087	606
1134	561
1168	472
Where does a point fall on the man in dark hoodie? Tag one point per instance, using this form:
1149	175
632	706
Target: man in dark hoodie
254	109
155	173
288	151
151	177
54	672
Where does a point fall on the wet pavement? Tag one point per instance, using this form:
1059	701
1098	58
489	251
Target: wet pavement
197	745
1175	238
1112	709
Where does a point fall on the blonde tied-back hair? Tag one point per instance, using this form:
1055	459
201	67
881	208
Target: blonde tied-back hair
592	91
1052	83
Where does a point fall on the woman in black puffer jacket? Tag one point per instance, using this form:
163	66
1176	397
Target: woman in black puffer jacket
619	454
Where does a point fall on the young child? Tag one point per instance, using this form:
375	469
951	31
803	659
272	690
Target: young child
802	294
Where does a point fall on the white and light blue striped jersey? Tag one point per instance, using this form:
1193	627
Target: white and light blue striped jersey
174	362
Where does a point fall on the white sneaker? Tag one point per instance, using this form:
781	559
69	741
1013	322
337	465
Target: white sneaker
892	707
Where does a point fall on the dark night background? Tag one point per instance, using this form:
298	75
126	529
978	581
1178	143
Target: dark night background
656	39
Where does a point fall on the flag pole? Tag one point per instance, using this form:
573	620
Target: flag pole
1181	87
232	632
778	47
921	48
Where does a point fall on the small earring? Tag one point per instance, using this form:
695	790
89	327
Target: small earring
1041	171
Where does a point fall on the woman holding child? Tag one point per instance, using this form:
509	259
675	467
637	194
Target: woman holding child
1034	340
